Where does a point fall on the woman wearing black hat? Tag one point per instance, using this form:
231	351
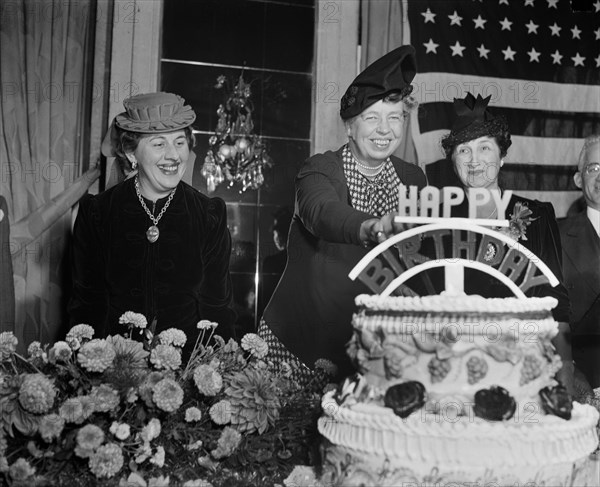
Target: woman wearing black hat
152	244
477	145
342	199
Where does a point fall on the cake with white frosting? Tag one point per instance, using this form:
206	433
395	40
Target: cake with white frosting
455	390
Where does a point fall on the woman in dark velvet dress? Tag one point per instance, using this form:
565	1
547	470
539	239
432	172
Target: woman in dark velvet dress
344	202
152	244
477	145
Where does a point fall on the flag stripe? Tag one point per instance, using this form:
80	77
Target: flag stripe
508	92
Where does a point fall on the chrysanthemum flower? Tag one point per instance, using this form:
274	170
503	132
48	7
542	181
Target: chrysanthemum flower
79	334
206	325
165	357
220	412
254	400
197	483
227	443
96	355
172	336
151	430
129	354
121	430
168	395
208	381
8	345
37	393
60	352
50	427
35	350
137	320
254	344
105	398
90	437
106	461
21	470
72	410
193	414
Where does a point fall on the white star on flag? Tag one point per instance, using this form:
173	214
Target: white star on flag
597	6
505	24
429	16
597	34
479	22
503	2
575	31
556	57
578	60
529	3
509	53
483	52
457	49
531	27
431	46
555	29
455	19
552	4
598	61
534	55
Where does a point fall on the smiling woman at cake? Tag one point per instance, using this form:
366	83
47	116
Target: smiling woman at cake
344	204
152	244
477	145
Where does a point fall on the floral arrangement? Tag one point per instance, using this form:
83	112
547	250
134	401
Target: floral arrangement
235	153
126	412
519	220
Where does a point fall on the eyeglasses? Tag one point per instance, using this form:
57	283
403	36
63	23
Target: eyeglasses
592	169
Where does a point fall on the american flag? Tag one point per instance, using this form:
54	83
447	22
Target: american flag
540	62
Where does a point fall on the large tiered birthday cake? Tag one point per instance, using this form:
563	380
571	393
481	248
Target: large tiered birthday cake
455	390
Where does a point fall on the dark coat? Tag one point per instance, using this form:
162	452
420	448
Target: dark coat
581	267
180	279
311	309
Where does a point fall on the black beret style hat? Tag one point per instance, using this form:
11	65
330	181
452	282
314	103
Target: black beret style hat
473	121
392	72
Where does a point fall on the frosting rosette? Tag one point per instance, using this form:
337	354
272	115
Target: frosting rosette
405	398
494	404
557	401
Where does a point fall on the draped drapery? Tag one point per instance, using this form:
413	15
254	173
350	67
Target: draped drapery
44	78
382	30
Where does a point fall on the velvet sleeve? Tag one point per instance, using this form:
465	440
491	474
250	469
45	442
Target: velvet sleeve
321	210
216	289
546	238
89	298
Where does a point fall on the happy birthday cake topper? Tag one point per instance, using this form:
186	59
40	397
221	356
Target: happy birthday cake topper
454	243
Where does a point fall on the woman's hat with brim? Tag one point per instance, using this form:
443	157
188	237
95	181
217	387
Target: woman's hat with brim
473	121
393	72
149	113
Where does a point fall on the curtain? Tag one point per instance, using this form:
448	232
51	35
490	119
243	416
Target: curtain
382	30
44	53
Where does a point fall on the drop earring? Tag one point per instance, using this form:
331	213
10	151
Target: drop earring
501	162
134	165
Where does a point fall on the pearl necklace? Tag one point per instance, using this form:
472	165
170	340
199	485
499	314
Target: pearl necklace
152	233
369	168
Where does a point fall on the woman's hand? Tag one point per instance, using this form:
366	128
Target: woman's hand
377	230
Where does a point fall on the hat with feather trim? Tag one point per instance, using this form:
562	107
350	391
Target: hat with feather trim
473	121
392	72
149	113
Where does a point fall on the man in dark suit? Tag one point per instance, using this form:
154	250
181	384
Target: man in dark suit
580	236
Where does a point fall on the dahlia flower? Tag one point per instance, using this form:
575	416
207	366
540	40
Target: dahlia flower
8	345
172	336
227	443
208	381
35	350
90	437
106	460
254	402
158	458
193	414
254	344
96	355
72	410
206	325
21	470
60	352
165	357
220	412
129	354
137	320
51	427
168	395
105	398
121	430
37	393
80	333
197	483
151	430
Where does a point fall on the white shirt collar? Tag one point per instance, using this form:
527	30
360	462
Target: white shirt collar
594	216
